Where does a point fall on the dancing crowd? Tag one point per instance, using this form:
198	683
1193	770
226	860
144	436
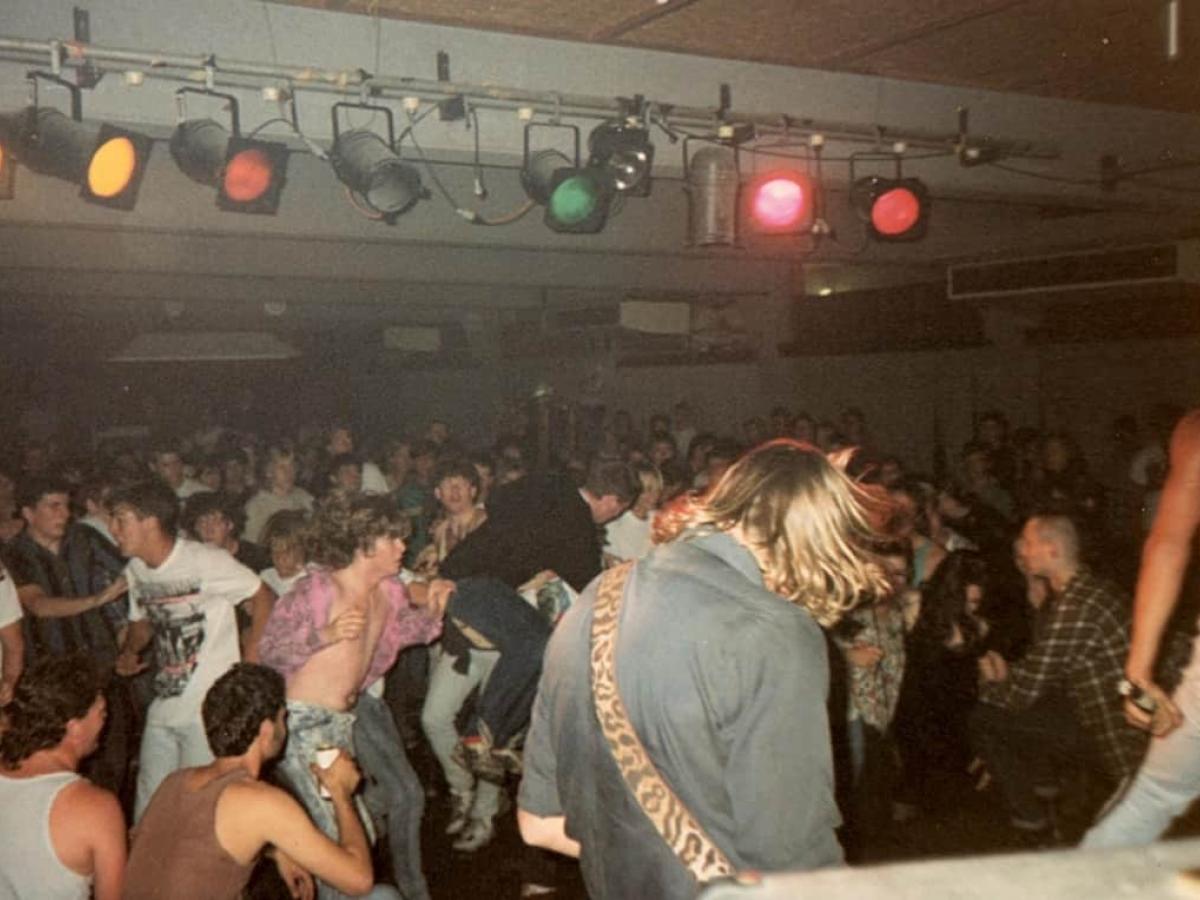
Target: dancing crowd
682	652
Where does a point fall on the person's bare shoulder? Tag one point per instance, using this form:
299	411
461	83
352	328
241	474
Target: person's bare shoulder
85	816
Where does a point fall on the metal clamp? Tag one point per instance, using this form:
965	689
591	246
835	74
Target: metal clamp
234	115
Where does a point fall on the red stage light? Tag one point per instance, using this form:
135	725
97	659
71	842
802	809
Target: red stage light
248	175
895	211
780	203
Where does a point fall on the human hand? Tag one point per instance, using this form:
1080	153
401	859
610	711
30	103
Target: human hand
864	656
341	777
112	592
439	594
348	626
992	667
1165	718
129	663
299	880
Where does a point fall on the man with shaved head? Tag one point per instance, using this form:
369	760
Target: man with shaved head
1062	695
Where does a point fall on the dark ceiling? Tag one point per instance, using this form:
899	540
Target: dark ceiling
1108	51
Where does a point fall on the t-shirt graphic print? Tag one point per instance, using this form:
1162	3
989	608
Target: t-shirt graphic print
175	611
190	600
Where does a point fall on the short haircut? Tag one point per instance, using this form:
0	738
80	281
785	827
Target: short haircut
458	467
51	692
206	502
612	477
237	704
1061	530
151	499
346	523
30	491
289	525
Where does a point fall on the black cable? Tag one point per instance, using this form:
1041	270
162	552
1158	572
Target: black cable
1060	179
263	125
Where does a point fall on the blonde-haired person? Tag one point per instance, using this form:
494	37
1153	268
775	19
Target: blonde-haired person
721	665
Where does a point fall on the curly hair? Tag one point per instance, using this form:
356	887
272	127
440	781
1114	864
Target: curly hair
237	704
808	524
51	692
346	523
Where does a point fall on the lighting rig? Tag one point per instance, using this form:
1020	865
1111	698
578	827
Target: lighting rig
579	185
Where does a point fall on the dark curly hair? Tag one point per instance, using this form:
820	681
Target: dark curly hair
348	522
237	704
51	692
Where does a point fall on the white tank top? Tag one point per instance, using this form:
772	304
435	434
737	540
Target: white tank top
29	867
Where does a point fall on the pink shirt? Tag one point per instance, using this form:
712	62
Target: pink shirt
291	635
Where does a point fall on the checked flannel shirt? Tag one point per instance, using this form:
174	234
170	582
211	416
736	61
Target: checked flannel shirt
1079	646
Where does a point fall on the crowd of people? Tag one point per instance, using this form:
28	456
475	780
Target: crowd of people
237	645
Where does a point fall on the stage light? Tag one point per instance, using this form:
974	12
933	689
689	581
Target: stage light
579	201
626	153
712	189
779	202
894	209
577	198
249	174
107	162
363	161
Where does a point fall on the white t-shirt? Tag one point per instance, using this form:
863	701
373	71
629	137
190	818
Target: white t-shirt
10	606
278	583
190	601
373	479
627	536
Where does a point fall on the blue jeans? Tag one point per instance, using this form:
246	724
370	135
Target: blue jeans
1167	782
365	736
393	791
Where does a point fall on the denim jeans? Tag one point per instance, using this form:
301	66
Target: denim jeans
390	787
448	689
393	791
1167	782
499	616
165	749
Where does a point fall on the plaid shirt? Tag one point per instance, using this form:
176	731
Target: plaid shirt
1079	647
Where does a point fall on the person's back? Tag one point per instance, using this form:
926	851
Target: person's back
30	864
63	837
176	852
698	634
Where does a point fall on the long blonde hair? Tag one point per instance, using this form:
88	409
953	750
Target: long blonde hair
807	523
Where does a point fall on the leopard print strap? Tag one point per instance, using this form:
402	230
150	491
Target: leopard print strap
683	834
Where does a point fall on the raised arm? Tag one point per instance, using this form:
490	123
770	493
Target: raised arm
38	604
1164	559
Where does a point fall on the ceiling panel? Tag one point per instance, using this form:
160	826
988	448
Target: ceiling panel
1110	51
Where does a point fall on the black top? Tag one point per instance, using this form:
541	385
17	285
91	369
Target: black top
725	683
85	564
534	523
